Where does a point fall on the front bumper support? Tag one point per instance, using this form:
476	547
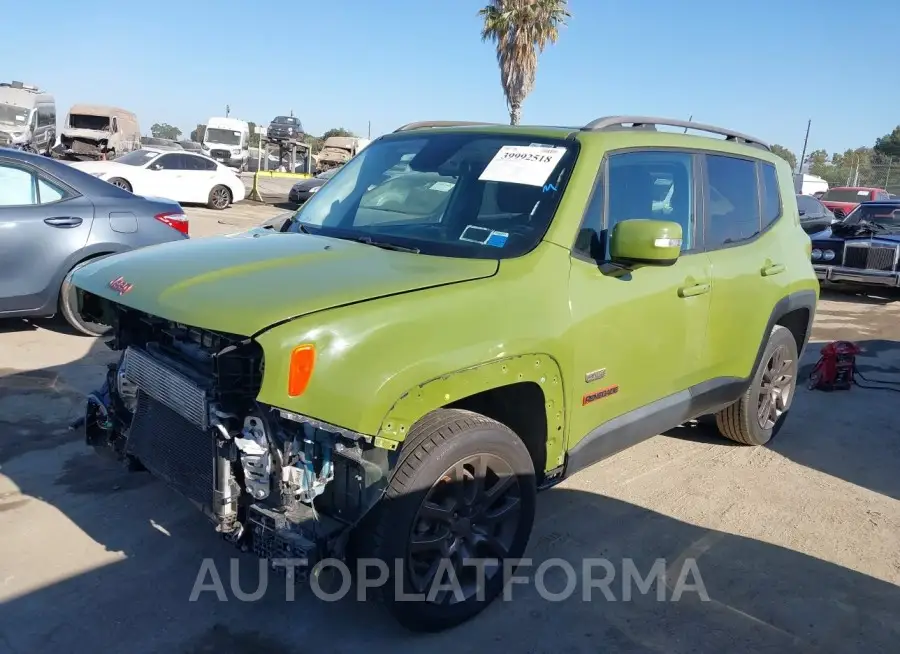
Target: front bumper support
857	276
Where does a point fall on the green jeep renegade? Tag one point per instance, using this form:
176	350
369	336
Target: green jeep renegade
463	315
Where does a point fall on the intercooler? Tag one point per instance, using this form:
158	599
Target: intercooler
170	433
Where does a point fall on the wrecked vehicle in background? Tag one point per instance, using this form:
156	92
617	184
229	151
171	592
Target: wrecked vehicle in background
338	150
27	118
97	131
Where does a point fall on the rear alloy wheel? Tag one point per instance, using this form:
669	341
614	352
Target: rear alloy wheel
460	503
120	183
760	413
219	198
68	309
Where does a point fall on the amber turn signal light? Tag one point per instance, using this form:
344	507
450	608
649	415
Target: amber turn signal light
303	360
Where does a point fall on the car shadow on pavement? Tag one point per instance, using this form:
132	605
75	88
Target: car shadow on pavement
851	435
96	558
859	295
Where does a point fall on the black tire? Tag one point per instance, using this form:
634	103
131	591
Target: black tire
439	443
219	198
68	311
123	184
741	421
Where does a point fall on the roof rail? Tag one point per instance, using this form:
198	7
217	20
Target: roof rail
424	124
650	122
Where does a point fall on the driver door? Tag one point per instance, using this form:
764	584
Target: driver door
638	338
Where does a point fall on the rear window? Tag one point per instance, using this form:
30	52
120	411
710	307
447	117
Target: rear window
846	195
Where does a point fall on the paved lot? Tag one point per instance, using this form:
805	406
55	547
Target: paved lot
796	543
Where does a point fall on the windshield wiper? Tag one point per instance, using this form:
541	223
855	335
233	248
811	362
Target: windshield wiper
381	244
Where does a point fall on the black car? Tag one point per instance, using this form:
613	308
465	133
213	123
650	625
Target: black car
191	146
863	248
284	128
303	190
814	216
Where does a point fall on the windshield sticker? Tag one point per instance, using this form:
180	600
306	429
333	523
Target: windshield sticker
443	187
522	164
484	236
862	192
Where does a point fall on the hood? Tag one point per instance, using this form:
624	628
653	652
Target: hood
98	167
334	154
243	283
829	235
96	134
307	184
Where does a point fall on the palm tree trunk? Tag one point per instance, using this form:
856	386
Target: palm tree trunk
515	113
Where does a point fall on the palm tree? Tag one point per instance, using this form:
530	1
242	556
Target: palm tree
521	29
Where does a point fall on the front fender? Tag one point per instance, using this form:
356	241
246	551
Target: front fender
537	368
382	364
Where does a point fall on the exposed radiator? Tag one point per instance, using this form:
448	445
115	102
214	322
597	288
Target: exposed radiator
173	449
167	386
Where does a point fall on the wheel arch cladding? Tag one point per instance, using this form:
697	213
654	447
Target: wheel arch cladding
523	392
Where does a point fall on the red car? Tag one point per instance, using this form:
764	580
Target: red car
841	200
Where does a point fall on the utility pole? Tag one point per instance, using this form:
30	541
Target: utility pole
690	118
805	141
370	129
227	110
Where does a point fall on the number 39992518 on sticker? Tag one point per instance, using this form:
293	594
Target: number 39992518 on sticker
523	164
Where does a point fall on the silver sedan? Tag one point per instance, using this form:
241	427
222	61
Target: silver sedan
54	217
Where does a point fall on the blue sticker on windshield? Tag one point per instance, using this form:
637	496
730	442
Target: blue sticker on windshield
497	239
484	236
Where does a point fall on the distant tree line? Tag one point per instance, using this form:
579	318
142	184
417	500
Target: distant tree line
877	166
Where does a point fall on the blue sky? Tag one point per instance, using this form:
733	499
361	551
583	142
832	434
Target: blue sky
761	67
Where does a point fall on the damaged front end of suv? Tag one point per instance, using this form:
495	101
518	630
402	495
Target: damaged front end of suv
181	403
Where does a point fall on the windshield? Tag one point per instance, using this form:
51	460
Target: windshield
84	121
845	195
285	120
223	136
328	174
137	158
489	196
887	215
12	115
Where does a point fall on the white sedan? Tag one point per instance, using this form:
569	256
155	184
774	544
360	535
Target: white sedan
181	176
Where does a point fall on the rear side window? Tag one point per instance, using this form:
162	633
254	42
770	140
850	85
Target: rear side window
809	206
733	202
771	197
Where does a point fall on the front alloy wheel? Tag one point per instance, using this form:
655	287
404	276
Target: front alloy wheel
471	513
457	512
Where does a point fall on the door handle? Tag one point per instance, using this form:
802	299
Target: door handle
691	291
772	269
67	221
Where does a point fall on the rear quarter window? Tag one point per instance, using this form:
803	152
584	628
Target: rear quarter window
771	194
733	206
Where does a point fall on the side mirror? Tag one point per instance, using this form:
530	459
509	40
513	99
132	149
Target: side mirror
802	212
156	167
645	242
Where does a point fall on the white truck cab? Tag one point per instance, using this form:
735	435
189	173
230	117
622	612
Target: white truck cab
27	117
227	140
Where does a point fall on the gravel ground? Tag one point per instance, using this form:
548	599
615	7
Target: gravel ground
795	543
